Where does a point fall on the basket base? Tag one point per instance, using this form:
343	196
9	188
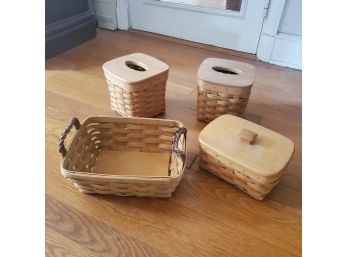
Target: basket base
143	115
132	163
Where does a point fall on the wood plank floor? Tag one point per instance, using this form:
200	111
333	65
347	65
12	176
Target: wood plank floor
205	216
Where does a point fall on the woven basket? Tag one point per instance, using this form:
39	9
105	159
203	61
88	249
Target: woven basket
257	187
244	154
224	87
103	156
137	85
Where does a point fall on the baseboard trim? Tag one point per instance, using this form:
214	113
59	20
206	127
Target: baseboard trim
195	44
69	32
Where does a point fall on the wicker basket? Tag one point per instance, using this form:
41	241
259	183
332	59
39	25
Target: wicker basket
137	84
224	87
125	156
244	154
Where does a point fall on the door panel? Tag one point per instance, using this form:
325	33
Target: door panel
237	30
234	5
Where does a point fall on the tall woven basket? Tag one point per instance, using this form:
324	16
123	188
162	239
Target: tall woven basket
224	87
125	156
137	84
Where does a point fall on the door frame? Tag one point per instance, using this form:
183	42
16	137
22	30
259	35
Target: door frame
123	17
105	13
275	47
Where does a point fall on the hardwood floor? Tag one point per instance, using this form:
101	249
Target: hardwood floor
206	216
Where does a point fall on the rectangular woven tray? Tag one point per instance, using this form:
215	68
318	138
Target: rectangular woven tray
125	156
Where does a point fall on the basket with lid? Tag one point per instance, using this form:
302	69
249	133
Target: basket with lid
244	154
125	156
137	84
224	87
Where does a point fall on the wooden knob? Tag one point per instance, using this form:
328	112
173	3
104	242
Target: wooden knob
247	136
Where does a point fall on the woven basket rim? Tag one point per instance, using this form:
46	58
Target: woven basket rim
208	85
80	174
101	176
139	83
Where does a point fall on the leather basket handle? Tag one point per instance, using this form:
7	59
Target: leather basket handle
74	122
176	150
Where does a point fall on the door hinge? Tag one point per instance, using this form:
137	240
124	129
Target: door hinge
265	8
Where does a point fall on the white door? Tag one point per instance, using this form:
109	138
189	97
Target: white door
232	24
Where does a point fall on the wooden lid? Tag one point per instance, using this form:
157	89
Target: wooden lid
226	72
251	146
135	67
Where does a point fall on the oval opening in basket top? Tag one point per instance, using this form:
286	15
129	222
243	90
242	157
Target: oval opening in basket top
135	66
226	70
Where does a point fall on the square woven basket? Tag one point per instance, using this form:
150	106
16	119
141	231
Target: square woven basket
125	156
224	87
137	85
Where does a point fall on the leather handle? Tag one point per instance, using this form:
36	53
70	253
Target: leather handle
176	150
74	122
247	136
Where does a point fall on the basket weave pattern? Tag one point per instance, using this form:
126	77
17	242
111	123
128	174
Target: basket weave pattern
212	104
144	100
248	184
124	134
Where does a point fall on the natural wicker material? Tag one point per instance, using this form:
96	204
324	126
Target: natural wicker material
148	102
99	134
236	177
136	91
244	154
224	87
212	104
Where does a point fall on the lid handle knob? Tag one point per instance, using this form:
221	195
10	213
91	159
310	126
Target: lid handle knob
247	136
